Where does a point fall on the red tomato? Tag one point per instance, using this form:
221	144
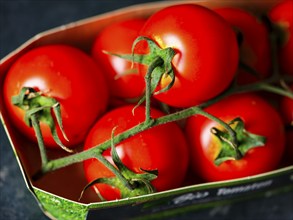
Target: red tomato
66	74
259	118
282	16
163	148
124	81
287	109
255	45
206	50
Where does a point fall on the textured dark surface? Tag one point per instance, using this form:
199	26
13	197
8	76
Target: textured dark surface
21	20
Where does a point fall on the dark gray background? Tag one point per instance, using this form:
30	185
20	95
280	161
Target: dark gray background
21	20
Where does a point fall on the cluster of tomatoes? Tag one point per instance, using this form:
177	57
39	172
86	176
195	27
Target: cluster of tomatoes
97	92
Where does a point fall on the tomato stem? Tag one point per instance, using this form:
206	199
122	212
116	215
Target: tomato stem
113	169
235	148
38	105
97	150
130	183
37	129
266	85
179	115
276	90
118	163
152	78
245	139
148	77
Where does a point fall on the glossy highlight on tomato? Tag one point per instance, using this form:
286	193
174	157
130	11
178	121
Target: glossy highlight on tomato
163	148
206	50
259	118
66	74
122	77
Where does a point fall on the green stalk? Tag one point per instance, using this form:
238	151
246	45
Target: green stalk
98	150
37	129
265	86
157	62
79	157
276	90
113	169
152	79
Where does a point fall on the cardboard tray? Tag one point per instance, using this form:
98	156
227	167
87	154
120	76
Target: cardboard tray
56	193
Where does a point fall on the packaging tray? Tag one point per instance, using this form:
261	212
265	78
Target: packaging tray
60	202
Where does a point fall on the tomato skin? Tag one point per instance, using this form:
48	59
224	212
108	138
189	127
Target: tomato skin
66	74
118	38
201	59
255	46
255	112
282	16
163	147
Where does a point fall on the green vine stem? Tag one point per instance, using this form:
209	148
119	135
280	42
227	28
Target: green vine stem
267	85
148	93
36	126
113	169
38	107
99	149
271	84
182	114
48	166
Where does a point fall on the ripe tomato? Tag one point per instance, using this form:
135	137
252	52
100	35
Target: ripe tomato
124	80
206	58
66	74
282	16
255	45
255	112
163	148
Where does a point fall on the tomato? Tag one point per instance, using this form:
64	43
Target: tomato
287	109
66	74
123	79
254	112
255	45
282	16
206	58
163	148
